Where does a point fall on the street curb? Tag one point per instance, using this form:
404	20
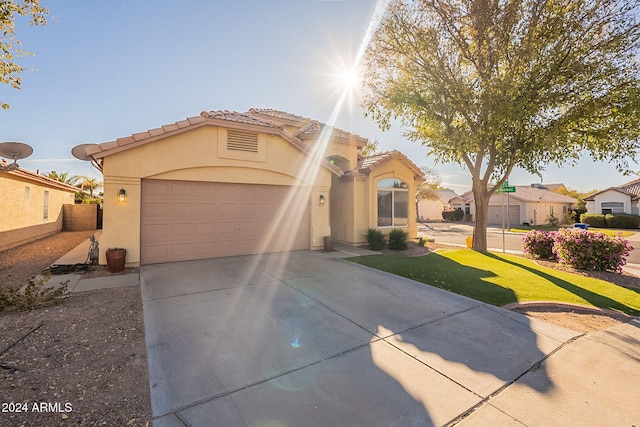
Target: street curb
586	309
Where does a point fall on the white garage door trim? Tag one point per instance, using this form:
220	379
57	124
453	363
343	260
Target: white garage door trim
186	220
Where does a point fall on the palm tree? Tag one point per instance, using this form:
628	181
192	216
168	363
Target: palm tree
85	183
62	177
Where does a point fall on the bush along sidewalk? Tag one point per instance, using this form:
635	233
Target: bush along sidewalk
578	248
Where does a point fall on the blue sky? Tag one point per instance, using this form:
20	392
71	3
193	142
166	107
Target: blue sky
105	70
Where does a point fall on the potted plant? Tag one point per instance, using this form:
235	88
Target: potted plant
116	258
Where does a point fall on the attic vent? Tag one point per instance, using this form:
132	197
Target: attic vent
238	140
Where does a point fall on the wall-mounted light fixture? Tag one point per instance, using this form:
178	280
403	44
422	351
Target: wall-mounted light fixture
322	200
122	195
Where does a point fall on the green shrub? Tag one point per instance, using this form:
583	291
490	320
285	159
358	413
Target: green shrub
590	251
398	239
33	295
622	221
453	215
594	220
539	244
375	238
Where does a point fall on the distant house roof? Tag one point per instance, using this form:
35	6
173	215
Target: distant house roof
535	194
367	164
529	193
631	189
447	195
43	180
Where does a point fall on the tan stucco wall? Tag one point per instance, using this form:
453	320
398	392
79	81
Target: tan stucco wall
342	208
22	216
193	155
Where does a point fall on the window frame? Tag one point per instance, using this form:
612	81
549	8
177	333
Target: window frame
398	187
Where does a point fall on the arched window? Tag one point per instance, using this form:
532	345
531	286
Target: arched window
393	203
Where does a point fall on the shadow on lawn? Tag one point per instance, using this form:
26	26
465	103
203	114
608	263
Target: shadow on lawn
444	273
595	299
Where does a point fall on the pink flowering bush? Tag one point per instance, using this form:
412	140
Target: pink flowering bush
590	251
539	244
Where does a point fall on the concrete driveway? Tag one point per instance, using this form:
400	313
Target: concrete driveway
306	338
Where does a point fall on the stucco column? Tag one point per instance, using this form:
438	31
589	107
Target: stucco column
121	220
320	223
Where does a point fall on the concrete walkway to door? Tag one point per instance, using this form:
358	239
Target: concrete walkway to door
306	338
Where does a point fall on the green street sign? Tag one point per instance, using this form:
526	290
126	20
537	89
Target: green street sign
507	189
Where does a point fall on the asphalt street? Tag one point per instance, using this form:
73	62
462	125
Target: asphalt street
456	234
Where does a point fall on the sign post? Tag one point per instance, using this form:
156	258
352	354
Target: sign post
506	188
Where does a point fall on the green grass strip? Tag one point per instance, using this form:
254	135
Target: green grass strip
500	279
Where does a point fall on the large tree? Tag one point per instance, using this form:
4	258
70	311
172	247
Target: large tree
9	44
495	84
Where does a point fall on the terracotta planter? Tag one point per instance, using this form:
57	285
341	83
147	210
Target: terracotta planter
328	243
116	258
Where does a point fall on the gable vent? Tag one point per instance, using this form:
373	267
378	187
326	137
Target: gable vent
238	140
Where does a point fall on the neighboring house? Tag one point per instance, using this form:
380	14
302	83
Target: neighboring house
31	206
533	205
431	209
226	183
622	199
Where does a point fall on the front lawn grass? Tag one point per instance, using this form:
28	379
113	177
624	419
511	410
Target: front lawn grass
501	279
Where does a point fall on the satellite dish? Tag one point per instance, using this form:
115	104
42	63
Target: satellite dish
80	151
15	150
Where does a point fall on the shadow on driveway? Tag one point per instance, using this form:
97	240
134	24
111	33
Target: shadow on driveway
304	338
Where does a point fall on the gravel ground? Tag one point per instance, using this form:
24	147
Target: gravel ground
19	264
81	363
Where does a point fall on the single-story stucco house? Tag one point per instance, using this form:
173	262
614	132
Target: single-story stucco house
31	206
431	209
533	205
226	183
622	199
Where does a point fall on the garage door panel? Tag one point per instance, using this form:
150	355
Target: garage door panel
206	209
159	210
186	210
183	190
182	231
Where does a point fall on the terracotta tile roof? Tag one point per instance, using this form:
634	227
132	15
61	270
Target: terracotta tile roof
632	187
309	128
246	118
277	114
368	164
32	176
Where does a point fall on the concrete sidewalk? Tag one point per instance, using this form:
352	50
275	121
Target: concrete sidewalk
79	255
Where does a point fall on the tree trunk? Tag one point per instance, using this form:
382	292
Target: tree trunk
481	200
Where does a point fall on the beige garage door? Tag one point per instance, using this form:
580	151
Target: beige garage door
184	220
495	215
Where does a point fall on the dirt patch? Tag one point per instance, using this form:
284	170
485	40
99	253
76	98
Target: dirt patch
19	264
573	318
81	363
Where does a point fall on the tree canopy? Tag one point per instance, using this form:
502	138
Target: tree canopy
9	44
495	84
